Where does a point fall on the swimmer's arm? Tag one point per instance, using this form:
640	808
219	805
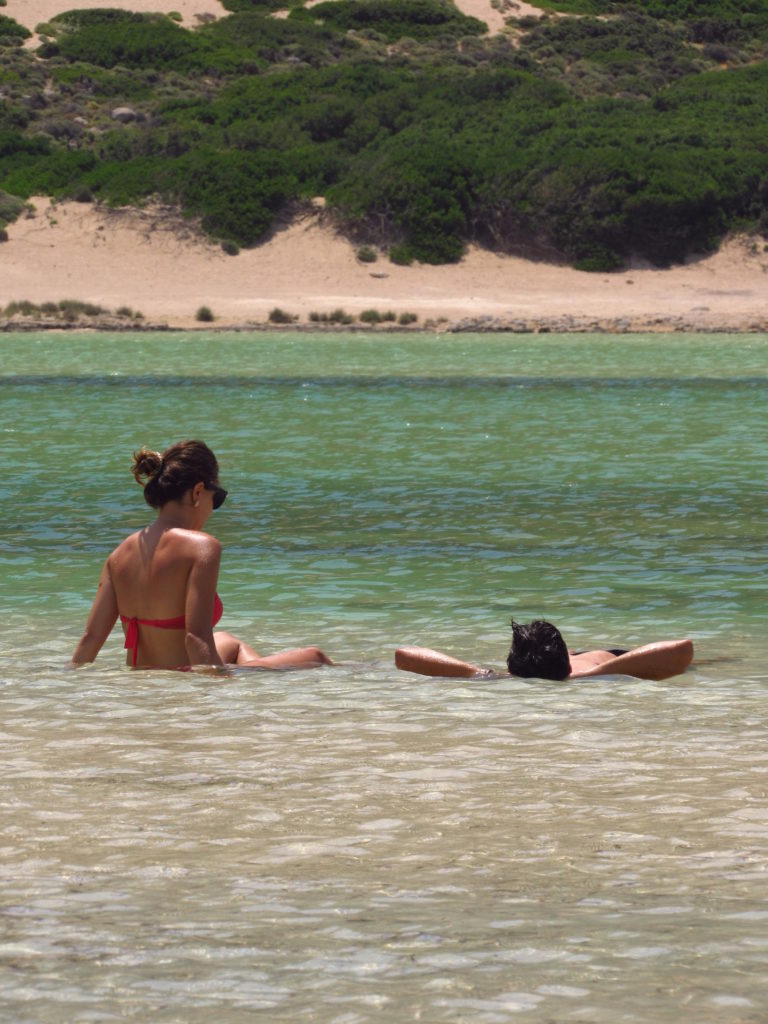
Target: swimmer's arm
297	657
101	621
427	662
198	611
651	661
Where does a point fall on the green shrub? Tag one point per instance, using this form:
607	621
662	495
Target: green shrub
136	41
367	254
370	316
401	254
279	316
407	318
260	6
339	316
10	208
74	308
230	248
21	307
396	19
204	315
3	235
11	32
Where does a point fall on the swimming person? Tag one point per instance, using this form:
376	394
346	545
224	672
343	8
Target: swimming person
538	650
161	581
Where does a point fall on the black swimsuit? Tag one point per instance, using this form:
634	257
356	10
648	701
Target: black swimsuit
616	651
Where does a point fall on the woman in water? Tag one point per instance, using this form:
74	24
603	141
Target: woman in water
161	581
538	650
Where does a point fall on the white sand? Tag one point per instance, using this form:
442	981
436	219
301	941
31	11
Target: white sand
153	261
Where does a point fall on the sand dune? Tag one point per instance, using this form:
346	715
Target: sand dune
154	261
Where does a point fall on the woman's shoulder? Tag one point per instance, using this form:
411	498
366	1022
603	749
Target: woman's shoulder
193	541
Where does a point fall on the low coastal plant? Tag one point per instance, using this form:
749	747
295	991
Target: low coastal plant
21	307
401	255
407	318
230	248
279	316
3	235
10	208
336	316
11	32
204	315
373	316
367	254
339	316
69	310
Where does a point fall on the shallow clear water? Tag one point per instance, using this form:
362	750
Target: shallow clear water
357	844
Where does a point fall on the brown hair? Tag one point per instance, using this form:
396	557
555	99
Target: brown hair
170	475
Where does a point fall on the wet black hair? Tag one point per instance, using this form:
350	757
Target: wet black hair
538	649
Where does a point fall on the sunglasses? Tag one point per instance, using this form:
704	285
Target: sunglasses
219	494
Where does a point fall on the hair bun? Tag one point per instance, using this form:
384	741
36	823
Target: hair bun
146	464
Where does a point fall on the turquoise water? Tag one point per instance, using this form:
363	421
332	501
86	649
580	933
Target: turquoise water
357	844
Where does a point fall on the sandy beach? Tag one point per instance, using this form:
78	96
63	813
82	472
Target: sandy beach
154	261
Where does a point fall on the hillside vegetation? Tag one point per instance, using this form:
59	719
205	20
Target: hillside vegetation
628	130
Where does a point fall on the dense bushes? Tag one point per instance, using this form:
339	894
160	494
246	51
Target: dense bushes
11	31
131	40
595	140
633	55
393	19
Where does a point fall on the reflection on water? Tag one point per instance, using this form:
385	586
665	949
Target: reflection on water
356	844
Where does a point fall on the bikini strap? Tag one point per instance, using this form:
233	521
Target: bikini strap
131	636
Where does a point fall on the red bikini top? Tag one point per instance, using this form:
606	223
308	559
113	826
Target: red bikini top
133	623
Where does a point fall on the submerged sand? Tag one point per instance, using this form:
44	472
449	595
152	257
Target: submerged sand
154	261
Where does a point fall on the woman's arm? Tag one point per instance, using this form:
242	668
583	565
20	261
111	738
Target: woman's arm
198	612
427	662
101	620
651	661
